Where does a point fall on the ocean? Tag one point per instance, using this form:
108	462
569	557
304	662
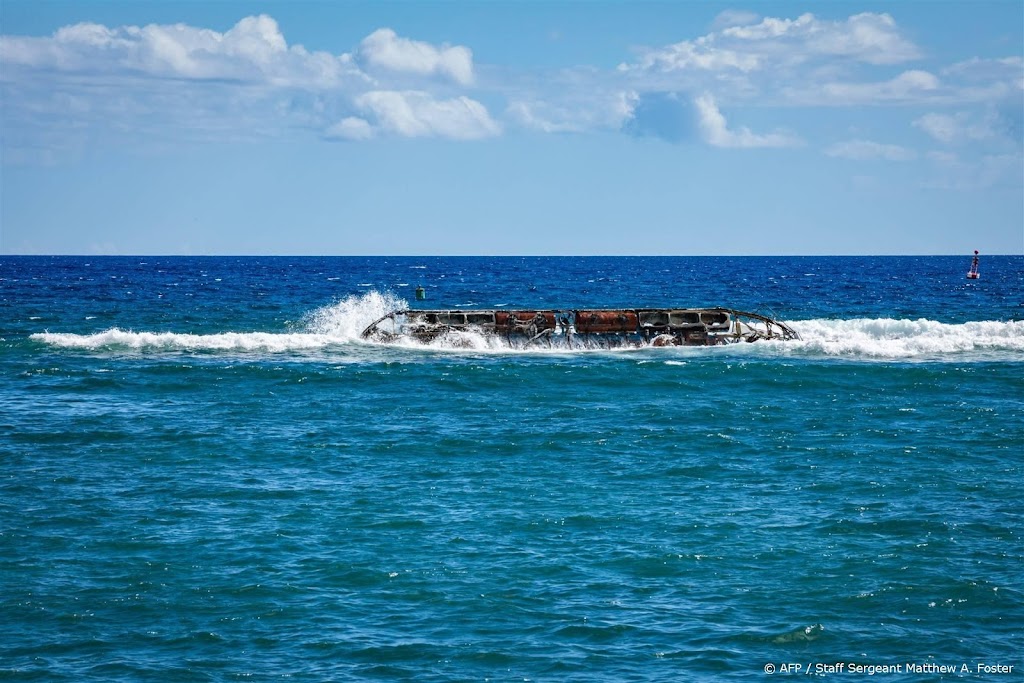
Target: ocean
206	475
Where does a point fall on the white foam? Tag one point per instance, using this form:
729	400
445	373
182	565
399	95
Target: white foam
863	339
346	319
342	322
885	338
339	323
116	338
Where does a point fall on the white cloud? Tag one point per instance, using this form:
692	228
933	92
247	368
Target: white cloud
252	51
770	27
868	38
866	150
810	61
248	82
160	82
696	55
418	114
387	50
717	133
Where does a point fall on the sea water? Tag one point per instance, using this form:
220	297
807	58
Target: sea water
206	475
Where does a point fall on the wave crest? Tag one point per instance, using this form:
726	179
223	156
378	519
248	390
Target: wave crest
346	319
892	338
342	322
339	323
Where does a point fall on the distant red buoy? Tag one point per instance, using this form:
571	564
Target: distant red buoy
972	274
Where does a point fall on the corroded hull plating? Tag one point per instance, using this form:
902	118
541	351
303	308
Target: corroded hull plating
586	328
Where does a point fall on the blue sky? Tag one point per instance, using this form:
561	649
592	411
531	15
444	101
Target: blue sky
511	127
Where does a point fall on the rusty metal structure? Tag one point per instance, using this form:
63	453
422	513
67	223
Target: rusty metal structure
584	328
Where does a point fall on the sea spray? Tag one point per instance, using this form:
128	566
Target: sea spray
346	319
886	338
337	323
240	342
341	323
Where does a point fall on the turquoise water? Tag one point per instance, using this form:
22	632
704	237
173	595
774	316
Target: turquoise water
207	476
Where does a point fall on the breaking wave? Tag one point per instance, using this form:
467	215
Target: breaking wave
345	320
341	323
886	338
338	323
863	339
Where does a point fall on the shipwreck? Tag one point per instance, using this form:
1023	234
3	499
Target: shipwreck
583	328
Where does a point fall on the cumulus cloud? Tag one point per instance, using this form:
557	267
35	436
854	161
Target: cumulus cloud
697	55
866	37
253	51
810	61
866	150
385	49
419	114
249	81
745	46
246	82
716	131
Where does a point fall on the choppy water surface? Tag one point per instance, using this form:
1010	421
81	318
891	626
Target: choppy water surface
207	475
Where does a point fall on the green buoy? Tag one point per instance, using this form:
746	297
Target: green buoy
421	294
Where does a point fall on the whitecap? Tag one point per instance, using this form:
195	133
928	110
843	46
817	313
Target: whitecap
339	323
887	338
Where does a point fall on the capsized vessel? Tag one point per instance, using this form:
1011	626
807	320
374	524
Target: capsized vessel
579	328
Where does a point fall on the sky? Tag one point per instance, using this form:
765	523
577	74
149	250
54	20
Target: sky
519	128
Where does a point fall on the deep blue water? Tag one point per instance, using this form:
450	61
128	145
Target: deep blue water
206	476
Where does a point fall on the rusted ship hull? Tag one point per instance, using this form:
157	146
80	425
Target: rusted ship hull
585	328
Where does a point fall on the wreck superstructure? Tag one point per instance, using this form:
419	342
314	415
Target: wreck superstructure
579	328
